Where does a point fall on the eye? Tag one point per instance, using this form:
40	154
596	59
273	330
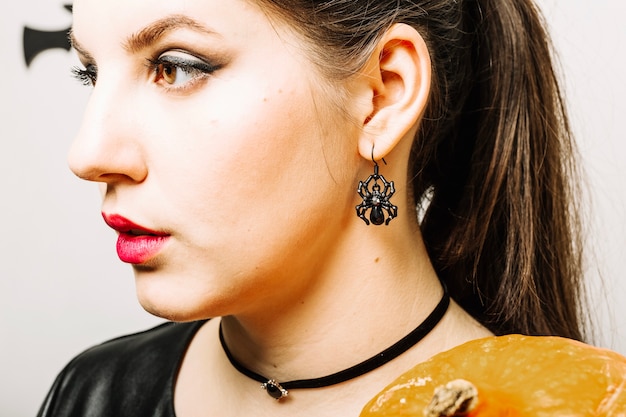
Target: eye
179	70
86	76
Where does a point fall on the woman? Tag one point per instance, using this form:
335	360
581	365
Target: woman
234	141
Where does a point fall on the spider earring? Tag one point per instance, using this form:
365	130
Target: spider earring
375	199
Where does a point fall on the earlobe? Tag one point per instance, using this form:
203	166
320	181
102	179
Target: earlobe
398	74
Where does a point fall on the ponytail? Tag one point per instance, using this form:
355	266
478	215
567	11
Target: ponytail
494	155
501	227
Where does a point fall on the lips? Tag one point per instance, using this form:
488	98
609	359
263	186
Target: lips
135	244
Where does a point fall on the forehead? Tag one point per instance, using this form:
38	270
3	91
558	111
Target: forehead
120	19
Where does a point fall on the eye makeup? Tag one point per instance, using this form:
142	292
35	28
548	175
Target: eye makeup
180	70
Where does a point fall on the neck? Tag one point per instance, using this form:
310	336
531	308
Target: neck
289	341
279	389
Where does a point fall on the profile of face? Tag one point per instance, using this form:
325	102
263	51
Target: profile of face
220	142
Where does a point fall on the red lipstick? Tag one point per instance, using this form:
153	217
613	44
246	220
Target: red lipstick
135	244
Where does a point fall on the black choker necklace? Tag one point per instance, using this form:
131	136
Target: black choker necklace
280	390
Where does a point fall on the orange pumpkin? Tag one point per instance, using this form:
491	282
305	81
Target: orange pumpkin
510	376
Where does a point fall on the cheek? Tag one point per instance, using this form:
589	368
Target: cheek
242	141
247	157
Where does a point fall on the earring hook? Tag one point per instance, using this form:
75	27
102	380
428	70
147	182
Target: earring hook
374	161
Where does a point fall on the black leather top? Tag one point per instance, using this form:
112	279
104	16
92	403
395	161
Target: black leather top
131	376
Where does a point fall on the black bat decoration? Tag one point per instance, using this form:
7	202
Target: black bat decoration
37	41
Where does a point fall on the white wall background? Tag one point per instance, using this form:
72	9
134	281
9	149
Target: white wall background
62	288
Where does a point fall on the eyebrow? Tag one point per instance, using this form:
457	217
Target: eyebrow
78	47
150	34
156	30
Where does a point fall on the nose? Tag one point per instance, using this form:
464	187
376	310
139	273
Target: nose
108	145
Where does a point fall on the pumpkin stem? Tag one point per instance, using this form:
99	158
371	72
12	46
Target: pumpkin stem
456	398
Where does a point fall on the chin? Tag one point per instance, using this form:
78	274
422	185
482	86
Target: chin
173	311
170	301
170	314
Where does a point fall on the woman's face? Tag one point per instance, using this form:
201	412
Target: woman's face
229	171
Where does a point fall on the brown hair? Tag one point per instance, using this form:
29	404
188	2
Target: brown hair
494	155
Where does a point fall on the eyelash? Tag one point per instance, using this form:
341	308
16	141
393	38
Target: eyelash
87	76
196	69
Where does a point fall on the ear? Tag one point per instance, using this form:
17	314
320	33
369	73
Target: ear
396	79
